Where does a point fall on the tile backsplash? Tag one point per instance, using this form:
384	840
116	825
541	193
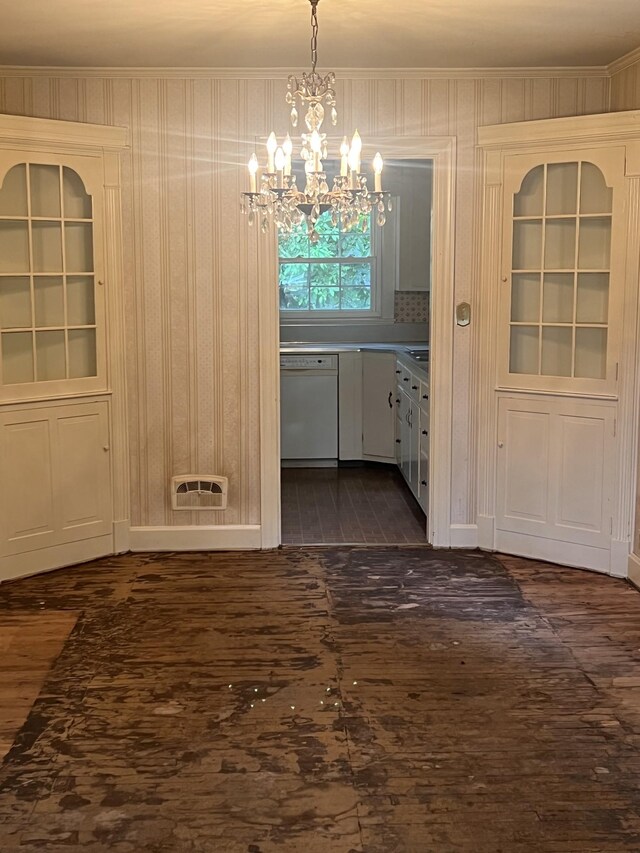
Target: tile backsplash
411	306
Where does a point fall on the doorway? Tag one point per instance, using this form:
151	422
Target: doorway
441	152
354	307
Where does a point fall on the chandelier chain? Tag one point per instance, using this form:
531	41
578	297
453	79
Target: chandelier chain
314	35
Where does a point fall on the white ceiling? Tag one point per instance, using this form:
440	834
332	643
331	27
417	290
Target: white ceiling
353	33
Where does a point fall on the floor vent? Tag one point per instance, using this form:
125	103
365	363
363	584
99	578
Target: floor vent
199	491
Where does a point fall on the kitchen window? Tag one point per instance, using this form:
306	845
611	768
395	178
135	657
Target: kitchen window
335	273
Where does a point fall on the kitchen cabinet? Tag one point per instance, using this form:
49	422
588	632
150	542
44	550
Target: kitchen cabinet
378	409
412	431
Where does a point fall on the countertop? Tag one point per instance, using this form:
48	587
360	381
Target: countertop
405	348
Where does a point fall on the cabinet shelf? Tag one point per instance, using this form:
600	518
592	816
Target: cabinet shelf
43	219
604	215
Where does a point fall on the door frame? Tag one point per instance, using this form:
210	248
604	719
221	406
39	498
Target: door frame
548	136
442	151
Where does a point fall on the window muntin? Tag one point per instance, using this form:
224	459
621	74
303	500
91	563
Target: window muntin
560	268
333	273
47	282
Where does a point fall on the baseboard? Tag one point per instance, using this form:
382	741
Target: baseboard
486	532
619	558
308	463
121	537
463	535
230	537
633	571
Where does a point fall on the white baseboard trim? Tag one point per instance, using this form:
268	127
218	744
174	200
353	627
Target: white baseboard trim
463	535
121	537
554	551
221	537
486	532
620	558
633	573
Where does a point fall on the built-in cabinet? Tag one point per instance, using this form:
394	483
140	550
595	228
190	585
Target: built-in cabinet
61	388
558	410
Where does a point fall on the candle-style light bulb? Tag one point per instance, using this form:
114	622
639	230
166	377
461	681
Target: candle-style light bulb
356	147
344	154
354	161
287	147
279	161
253	170
378	163
272	144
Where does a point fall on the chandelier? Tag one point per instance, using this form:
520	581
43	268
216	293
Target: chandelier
274	193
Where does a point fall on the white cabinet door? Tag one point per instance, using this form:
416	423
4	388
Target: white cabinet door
378	404
56	486
405	436
414	448
555	458
27	500
83	493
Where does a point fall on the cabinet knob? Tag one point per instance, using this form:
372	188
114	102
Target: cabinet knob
424	432
501	444
425	396
423	482
106	448
398	401
414	387
405	378
397	441
398	371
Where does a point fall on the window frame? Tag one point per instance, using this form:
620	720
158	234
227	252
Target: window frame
289	315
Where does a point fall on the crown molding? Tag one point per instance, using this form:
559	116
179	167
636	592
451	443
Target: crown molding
623	62
611	127
283	73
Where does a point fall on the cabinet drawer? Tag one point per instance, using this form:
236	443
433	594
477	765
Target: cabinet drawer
414	387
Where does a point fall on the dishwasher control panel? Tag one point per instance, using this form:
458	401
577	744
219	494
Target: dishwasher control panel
309	362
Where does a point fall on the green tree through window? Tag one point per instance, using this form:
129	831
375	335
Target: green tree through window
332	273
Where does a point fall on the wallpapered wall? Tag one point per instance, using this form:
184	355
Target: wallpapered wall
192	323
625	88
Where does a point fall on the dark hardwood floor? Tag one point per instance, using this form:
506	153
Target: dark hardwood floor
324	700
369	505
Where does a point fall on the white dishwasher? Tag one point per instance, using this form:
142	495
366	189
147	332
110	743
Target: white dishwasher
309	409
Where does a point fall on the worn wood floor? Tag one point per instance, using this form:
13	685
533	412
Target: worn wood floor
327	701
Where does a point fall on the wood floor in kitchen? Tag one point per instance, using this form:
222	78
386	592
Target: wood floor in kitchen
326	700
366	504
